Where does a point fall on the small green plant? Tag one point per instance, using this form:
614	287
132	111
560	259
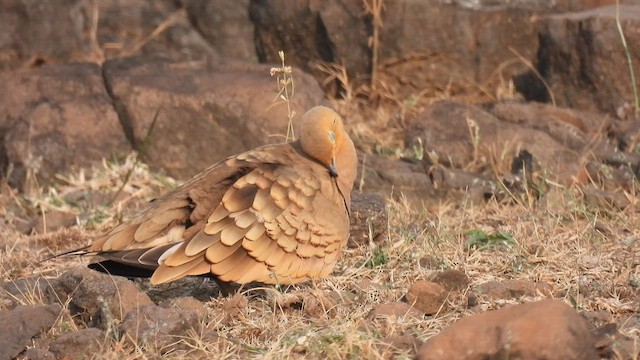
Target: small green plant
478	238
379	257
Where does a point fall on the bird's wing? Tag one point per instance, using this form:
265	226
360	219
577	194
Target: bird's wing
284	221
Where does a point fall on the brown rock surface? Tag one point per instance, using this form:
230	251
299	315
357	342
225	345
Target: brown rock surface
21	291
56	118
225	26
187	303
204	114
394	309
97	298
158	326
37	354
81	344
48	33
427	296
386	177
369	218
547	329
52	221
445	130
581	57
19	325
451	279
511	289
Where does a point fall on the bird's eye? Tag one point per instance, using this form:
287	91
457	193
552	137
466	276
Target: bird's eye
332	136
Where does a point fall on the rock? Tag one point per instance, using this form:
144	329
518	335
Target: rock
547	329
398	344
80	344
369	219
444	129
159	326
235	306
226	28
314	33
386	177
37	354
572	128
24	291
98	299
605	199
510	289
430	262
157	28
187	303
200	288
409	30
46	115
582	58
367	288
42	33
19	325
428	297
394	309
451	279
52	221
319	304
203	115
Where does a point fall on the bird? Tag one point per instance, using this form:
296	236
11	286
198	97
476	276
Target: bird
277	214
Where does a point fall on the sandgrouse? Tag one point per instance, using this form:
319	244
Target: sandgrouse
277	214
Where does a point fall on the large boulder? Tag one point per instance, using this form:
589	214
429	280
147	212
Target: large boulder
203	114
547	329
582	59
56	118
81	30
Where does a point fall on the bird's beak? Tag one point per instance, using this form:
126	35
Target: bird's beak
333	171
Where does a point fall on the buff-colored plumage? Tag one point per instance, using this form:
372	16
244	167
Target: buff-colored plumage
275	214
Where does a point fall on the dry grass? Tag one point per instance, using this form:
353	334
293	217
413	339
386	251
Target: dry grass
585	255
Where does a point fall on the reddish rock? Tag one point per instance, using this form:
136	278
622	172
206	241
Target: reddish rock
159	326
187	303
98	299
62	32
452	279
314	32
127	26
510	289
394	309
428	297
203	114
547	329
81	344
395	345
21	291
52	221
430	262
473	49
19	325
582	58
56	118
605	199
235	306
386	176
444	129
369	219
574	129
37	354
226	27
